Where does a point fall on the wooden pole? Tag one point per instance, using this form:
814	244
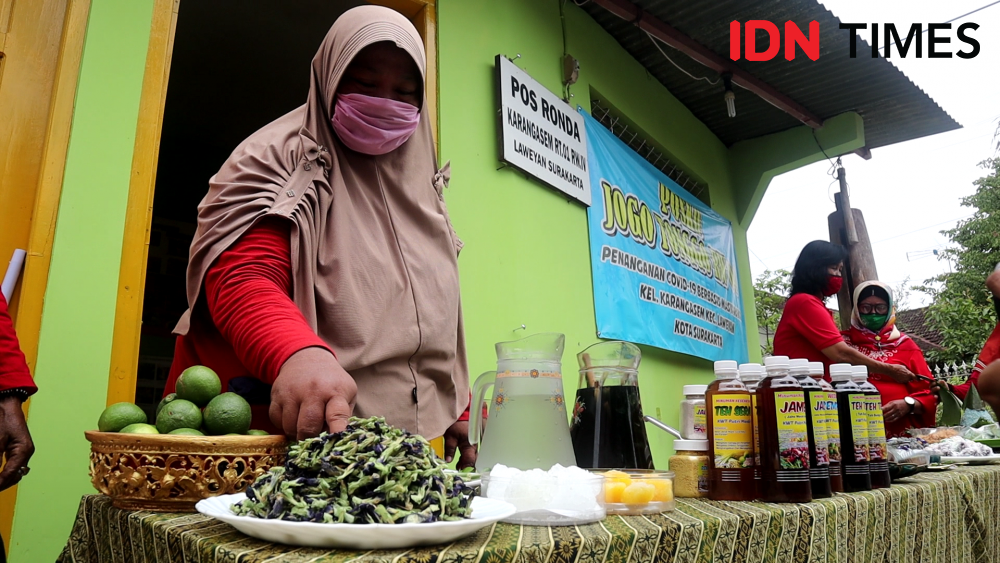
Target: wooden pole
845	203
849	229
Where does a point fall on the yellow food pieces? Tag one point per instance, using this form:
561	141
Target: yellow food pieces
639	492
619	487
613	491
664	490
617	477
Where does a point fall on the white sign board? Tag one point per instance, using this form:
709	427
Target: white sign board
541	134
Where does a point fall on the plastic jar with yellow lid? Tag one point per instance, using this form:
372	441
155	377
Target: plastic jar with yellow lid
690	467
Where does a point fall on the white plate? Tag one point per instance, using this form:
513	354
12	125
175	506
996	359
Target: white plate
972	459
485	511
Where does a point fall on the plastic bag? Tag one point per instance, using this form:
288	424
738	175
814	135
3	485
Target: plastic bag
975	414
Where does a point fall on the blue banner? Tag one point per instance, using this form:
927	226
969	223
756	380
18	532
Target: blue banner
663	262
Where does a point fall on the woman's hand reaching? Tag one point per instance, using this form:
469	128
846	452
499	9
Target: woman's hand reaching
312	393
457	438
900	373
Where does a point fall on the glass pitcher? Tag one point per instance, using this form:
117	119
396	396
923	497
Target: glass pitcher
609	429
527	426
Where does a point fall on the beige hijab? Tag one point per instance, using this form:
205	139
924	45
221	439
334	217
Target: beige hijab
374	257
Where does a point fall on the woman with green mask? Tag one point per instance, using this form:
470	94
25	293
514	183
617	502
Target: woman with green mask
873	332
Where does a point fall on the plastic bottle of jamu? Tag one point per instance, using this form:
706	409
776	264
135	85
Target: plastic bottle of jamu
853	412
819	458
730	436
784	435
878	465
751	374
825	411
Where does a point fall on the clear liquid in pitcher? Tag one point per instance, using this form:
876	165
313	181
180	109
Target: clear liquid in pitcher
527	420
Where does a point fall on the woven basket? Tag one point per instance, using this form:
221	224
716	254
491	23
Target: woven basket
164	473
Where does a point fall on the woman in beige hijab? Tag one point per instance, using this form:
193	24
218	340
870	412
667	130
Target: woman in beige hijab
323	279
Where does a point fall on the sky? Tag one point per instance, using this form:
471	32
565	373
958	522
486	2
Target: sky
909	191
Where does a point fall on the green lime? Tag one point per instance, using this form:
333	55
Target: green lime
120	415
140	428
227	413
199	385
178	414
233	434
256	432
186	432
164	401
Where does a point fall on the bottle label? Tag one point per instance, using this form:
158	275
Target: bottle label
793	438
818	409
831	420
700	426
876	429
703	478
859	426
732	430
756	431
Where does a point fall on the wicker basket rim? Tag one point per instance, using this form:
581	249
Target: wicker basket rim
116	439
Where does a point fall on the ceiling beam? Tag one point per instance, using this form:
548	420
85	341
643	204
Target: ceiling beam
649	23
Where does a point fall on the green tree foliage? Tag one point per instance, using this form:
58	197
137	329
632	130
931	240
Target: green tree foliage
962	310
770	291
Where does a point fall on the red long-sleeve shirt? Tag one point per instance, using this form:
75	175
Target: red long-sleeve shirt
989	354
249	326
14	372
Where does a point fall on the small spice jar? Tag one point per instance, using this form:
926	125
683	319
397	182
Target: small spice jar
693	423
690	467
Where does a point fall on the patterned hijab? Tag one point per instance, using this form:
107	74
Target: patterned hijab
888	336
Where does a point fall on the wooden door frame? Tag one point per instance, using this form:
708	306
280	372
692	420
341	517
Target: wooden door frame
122	375
28	323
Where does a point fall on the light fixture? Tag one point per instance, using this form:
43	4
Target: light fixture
730	97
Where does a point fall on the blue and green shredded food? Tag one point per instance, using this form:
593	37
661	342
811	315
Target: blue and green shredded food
371	473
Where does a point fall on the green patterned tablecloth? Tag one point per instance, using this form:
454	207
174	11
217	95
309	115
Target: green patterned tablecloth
945	516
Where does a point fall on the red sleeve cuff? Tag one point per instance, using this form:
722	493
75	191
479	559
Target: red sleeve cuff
18	381
465	415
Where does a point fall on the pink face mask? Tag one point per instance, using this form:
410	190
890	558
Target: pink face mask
373	125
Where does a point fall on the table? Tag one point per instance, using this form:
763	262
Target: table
940	516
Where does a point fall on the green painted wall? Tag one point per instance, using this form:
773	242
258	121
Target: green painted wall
526	259
75	343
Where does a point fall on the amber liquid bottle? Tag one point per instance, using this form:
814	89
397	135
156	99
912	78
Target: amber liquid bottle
784	435
730	436
828	416
853	412
819	457
751	374
878	465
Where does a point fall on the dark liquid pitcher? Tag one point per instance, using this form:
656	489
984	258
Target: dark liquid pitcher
608	428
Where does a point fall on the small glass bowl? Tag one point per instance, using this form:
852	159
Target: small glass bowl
546	499
638	491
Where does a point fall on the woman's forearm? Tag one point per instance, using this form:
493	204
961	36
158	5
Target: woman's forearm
842	353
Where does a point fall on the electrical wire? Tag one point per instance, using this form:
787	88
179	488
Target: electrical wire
816	139
949	21
656	43
758	258
922	229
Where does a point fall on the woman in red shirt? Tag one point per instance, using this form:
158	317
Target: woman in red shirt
991	349
873	332
16	386
806	329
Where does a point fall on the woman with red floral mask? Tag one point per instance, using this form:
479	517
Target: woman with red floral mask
323	277
806	329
